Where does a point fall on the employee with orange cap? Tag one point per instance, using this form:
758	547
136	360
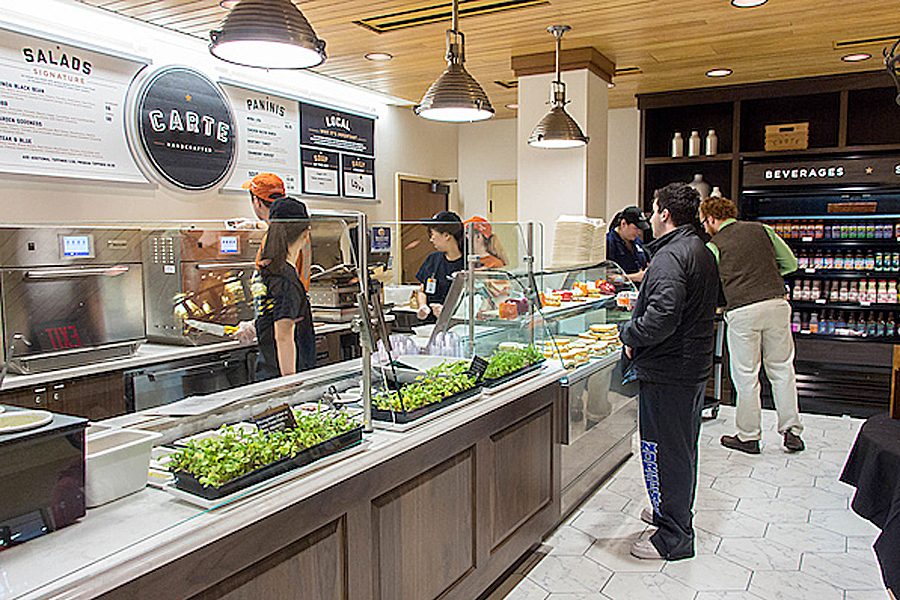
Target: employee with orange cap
485	245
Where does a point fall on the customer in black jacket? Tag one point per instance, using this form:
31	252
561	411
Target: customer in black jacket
670	340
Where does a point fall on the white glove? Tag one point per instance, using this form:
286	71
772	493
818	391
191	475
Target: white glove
246	333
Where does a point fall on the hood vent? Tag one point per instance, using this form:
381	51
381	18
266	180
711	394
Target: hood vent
441	12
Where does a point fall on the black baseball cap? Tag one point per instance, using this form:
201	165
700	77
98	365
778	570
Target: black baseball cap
288	209
633	215
445	216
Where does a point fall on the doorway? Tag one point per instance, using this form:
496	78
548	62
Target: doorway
503	207
419	199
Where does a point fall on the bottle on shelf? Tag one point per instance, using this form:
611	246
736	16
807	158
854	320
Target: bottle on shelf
828	261
889	326
716	192
814	323
872	295
879	325
829	323
806	291
897	231
882	295
892	292
840	327
694	144
871	327
853	292
879	260
870	230
802	259
795	323
804	323
836	231
835	294
795	230
895	261
677	145
870	261
797	290
818	260
851	324
712	143
859	260
815	291
844	294
819	232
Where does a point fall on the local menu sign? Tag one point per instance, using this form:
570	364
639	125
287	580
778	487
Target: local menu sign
186	128
864	171
359	176
268	137
320	172
61	110
336	130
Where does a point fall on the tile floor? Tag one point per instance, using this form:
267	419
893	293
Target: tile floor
776	526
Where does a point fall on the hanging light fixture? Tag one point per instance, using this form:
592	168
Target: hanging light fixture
892	64
455	96
269	34
557	129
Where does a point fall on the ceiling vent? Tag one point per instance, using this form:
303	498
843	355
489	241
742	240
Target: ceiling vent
508	85
844	44
435	13
627	71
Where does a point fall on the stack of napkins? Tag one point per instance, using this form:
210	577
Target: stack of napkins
578	240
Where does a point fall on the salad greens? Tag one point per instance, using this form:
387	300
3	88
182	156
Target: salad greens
503	362
438	382
217	460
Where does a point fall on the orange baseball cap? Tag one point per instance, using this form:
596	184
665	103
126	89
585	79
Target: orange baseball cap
481	224
265	185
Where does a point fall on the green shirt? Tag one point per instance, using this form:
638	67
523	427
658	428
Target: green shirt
787	262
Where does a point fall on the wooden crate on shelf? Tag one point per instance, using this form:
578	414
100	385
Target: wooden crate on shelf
787	136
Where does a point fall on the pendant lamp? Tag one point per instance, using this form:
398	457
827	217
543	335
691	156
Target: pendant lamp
892	63
268	34
455	96
557	129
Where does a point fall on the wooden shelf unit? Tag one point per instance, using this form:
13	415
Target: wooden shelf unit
848	115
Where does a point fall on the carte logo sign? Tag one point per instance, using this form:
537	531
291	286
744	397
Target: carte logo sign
41	56
186	128
806	173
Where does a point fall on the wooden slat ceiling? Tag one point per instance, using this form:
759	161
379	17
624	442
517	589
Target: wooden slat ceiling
672	42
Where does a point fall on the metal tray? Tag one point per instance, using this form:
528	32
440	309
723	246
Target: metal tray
188	483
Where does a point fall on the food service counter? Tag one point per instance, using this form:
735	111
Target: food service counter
441	510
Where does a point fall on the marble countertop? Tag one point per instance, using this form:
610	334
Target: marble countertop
147	354
138	532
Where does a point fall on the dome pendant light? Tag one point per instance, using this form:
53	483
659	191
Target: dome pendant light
557	129
455	96
268	34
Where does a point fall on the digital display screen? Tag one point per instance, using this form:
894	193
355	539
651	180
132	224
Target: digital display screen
229	245
76	246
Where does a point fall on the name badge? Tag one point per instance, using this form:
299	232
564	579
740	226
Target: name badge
431	285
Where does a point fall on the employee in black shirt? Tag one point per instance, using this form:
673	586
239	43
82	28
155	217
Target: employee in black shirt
445	231
624	247
284	330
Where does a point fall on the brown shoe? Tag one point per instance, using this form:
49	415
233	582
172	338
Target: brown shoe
792	442
733	442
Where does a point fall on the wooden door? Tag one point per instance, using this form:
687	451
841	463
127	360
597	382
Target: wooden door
417	202
503	207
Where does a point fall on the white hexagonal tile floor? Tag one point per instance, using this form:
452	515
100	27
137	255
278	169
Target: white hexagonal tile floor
771	526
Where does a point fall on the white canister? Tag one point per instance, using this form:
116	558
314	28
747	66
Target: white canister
694	144
712	143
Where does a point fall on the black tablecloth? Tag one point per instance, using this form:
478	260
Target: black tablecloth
873	468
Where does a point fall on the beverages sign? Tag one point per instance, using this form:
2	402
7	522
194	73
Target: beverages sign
859	171
185	128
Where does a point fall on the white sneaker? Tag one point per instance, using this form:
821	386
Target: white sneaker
644	549
647	516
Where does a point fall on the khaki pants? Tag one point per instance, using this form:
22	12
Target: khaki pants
760	333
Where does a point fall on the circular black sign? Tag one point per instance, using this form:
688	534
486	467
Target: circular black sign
186	128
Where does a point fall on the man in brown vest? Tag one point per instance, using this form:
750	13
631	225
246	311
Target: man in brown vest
752	260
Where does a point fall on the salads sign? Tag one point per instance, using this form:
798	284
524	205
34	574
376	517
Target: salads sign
864	171
185	128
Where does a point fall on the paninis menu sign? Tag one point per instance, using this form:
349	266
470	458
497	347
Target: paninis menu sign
335	130
186	128
859	171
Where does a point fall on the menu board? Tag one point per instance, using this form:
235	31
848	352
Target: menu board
336	130
359	176
320	172
268	137
62	110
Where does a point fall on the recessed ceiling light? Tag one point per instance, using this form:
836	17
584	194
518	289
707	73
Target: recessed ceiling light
512	106
747	3
856	57
229	4
379	56
719	72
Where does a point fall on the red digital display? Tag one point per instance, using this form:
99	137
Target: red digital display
64	337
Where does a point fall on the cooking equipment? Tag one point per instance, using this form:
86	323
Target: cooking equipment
198	274
42	471
71	295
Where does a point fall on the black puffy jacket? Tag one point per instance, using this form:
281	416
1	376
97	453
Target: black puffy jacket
671	329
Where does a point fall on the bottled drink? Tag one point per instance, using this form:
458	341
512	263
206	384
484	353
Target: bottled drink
815	290
828	261
892	292
830	323
814	323
851	323
839	260
897	230
804	323
882	296
870	261
797	290
859	260
853	292
795	229
805	293
677	145
845	230
840	327
889	325
795	323
819	231
835	294
895	261
818	260
879	325
871	327
879	260
694	144
852	231
826	231
802	260
872	295
870	230
861	325
844	294
835	231
712	143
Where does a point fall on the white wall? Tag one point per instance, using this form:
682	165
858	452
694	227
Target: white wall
623	160
403	142
487	152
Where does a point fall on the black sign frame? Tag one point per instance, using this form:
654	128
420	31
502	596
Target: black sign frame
336	130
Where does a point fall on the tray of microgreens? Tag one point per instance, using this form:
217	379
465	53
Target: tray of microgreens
441	386
507	364
218	466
